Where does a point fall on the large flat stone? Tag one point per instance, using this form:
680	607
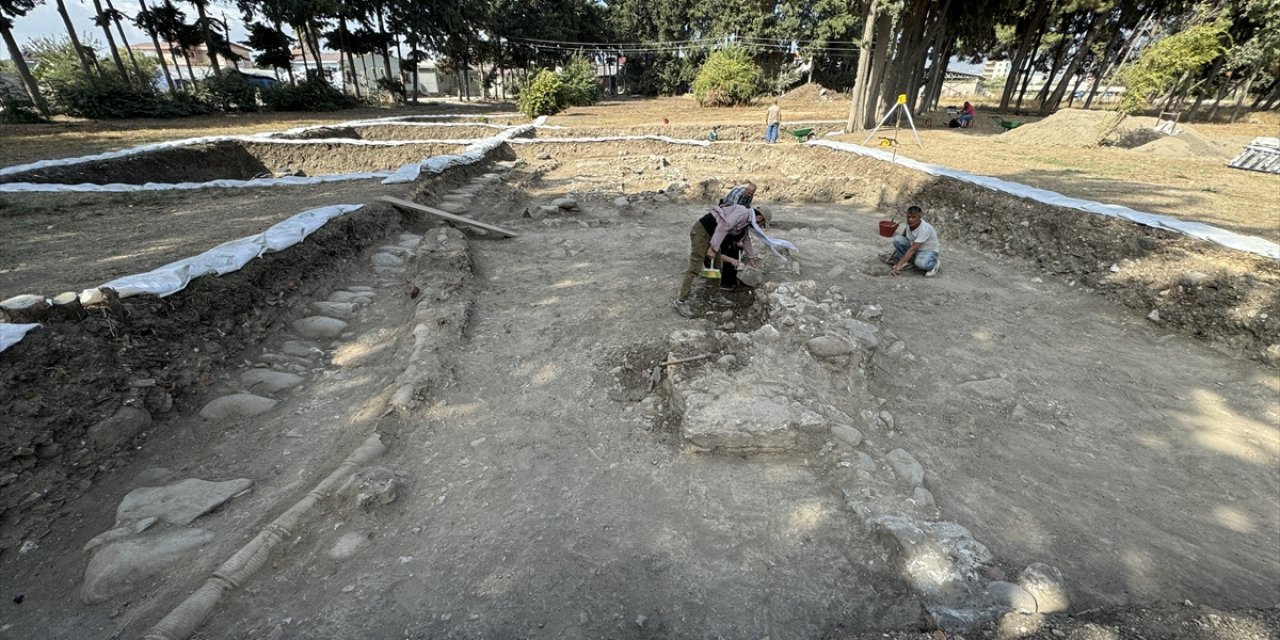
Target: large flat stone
319	327
179	503
269	381
236	405
738	423
341	310
118	566
940	560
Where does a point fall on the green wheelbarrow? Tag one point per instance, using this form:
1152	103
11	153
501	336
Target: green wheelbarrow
801	134
1006	124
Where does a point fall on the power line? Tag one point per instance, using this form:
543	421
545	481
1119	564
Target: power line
676	46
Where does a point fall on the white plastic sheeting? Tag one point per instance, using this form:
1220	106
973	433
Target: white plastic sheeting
11	334
473	153
224	258
116	187
696	143
1199	230
231	256
185	142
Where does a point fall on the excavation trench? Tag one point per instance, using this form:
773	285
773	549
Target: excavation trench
535	485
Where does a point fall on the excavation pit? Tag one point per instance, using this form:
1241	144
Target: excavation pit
525	466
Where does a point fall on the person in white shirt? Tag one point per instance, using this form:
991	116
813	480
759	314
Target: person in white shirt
915	243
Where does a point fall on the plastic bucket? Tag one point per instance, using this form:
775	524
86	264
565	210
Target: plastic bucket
711	274
888	228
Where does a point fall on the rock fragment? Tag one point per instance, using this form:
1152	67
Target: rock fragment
117	566
268	381
906	467
319	327
236	405
179	503
1046	585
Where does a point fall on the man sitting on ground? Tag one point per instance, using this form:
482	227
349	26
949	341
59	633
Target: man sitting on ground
916	243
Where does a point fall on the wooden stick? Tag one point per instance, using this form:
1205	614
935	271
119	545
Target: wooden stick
446	215
702	356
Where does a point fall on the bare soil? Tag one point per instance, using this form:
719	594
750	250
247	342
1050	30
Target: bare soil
541	489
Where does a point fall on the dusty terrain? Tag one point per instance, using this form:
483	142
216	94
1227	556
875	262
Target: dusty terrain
535	486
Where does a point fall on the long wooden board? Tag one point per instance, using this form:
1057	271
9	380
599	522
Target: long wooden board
447	216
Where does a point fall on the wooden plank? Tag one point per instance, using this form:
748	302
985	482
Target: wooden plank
446	215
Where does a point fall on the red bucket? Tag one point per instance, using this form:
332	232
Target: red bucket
888	228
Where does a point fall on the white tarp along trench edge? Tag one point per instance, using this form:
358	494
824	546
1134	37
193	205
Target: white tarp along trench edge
1250	244
222	259
231	256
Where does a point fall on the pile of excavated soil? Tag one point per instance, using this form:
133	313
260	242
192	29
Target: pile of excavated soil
809	92
1080	128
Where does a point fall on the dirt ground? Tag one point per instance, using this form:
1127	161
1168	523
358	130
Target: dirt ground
536	488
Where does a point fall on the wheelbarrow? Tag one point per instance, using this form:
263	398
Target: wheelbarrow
1006	124
801	134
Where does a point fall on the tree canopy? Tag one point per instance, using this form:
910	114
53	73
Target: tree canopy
1169	54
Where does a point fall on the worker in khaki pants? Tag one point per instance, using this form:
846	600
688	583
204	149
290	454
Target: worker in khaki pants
722	232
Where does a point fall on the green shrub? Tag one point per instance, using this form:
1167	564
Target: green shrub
231	91
16	106
542	95
313	94
578	84
659	74
106	94
727	78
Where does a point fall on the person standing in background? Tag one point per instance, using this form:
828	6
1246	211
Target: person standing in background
773	122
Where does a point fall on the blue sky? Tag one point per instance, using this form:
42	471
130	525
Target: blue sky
45	21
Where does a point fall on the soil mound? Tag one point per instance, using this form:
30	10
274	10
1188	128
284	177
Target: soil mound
1080	128
808	92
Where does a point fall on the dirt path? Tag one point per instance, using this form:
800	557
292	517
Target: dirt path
546	506
1056	425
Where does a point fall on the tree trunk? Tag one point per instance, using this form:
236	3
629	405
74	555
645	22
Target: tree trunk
1217	100
1244	92
1143	26
1103	68
879	60
416	93
111	41
133	60
1030	26
938	74
155	41
1075	89
208	37
289	68
1273	98
858	104
1073	68
302	49
191	73
24	71
1265	92
75	40
1059	57
351	60
386	54
1029	73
